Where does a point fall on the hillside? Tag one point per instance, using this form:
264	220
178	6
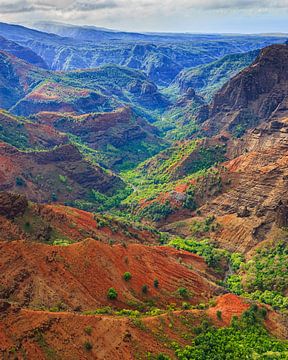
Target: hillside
121	138
27	89
138	220
21	52
25	134
251	96
61	174
207	79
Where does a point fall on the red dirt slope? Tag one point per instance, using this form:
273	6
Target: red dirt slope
37	335
80	275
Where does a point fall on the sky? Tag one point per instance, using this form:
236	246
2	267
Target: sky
200	16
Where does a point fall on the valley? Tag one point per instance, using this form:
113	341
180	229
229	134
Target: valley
143	203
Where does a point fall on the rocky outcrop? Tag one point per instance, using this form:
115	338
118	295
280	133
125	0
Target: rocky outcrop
282	214
253	95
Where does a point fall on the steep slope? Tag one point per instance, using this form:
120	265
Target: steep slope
21	52
61	174
24	134
252	205
251	96
121	138
23	220
17	78
33	275
208	79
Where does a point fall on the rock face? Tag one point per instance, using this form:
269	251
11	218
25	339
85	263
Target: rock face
282	214
253	95
252	205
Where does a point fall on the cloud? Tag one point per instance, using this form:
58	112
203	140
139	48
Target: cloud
147	15
91	6
237	4
65	6
15	7
20	6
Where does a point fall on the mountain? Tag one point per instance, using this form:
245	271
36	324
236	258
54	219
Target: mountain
139	221
21	52
253	95
247	127
27	89
161	57
208	79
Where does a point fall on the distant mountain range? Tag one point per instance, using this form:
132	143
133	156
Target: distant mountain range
160	56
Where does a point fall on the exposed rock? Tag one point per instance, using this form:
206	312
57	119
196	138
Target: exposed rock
282	214
243	211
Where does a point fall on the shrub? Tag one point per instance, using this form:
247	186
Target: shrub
20	181
263	312
183	292
162	357
219	314
127	276
88	346
88	330
112	294
156	283
186	306
54	197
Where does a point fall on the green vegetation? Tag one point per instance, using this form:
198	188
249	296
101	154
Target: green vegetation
187	163
155	211
263	278
145	289
88	330
200	228
127	276
156	283
62	242
219	315
112	294
209	78
245	338
20	181
184	293
88	346
211	254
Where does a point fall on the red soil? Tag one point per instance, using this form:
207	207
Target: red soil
81	274
230	305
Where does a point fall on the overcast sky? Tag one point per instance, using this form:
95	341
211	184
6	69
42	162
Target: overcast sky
242	16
